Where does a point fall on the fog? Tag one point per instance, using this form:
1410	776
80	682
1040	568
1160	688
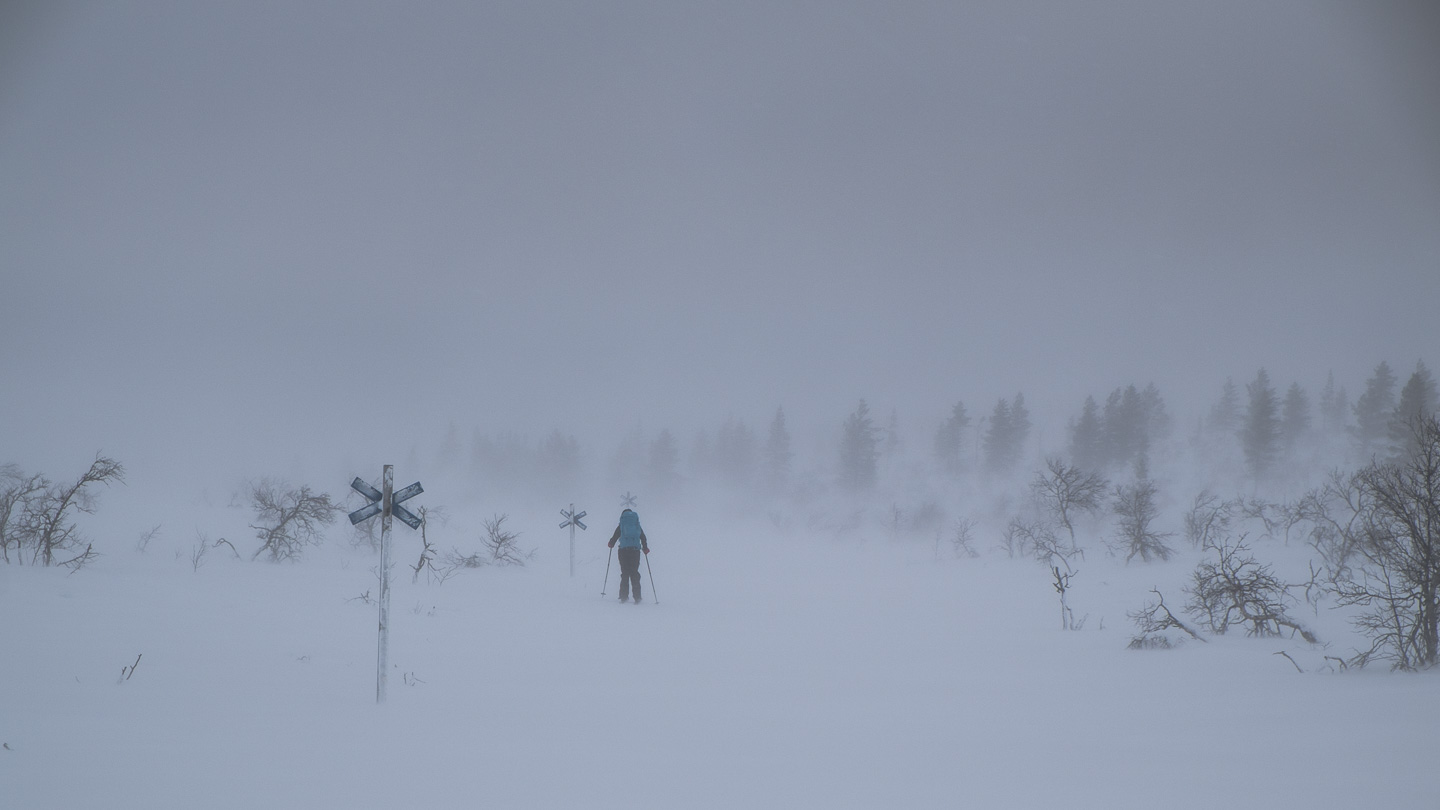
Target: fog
303	239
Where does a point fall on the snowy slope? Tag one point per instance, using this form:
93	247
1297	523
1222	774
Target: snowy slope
775	672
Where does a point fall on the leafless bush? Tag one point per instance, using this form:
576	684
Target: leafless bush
1336	512
1397	536
455	560
1014	538
962	538
1062	587
197	554
502	545
1236	589
143	543
1154	621
287	519
426	563
1065	491
1208	520
126	672
1135	507
37	516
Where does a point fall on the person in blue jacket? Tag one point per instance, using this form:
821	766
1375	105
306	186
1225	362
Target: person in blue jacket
632	543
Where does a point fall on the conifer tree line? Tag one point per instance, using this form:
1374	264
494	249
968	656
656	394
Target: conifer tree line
1264	430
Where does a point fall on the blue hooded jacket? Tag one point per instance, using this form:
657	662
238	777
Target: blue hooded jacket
630	532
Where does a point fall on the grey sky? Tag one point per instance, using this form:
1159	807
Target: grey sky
259	232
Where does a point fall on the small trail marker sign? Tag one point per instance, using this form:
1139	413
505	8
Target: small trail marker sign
571	521
384	502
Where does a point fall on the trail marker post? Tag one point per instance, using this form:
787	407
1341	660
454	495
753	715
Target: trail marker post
571	521
384	502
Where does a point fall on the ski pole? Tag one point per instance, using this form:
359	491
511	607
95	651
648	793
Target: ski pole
653	596
607	571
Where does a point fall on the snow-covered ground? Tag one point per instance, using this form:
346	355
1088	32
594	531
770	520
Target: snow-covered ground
776	671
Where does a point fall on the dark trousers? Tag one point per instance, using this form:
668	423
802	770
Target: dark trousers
629	572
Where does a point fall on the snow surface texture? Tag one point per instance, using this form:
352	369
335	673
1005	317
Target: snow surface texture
775	672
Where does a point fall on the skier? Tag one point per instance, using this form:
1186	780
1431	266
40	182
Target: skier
632	542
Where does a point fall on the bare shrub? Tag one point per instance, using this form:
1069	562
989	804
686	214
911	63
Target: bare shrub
1062	587
455	560
288	519
962	538
1397	538
502	544
426	563
37	516
1154	623
1135	507
1235	589
19	495
1208	520
143	543
1336	512
1065	491
197	554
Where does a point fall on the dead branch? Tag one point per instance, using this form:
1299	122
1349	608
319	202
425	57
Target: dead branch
1291	660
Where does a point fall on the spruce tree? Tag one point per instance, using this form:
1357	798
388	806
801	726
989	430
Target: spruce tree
1260	437
1225	413
1375	408
997	438
1005	439
859	450
1086	442
950	439
777	453
1295	417
1418	400
1019	428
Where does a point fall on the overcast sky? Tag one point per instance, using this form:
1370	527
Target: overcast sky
242	234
